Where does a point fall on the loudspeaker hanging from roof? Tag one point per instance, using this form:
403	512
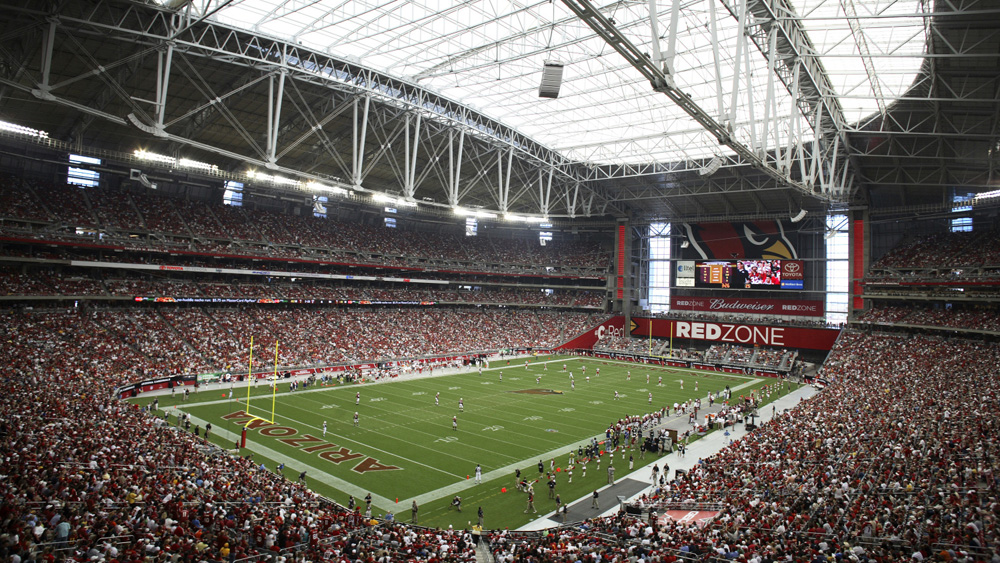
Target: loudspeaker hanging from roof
551	80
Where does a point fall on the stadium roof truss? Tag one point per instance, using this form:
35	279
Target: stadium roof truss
738	107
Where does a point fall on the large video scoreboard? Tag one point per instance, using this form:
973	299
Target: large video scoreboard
749	274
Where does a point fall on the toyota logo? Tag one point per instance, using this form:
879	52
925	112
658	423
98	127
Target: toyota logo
791	267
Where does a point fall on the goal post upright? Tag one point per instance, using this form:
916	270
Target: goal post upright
274	388
250	374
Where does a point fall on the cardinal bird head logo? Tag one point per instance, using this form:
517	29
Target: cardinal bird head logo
748	239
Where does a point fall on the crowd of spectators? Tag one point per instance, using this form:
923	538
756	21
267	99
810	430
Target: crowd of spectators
894	461
90	478
959	249
744	355
941	293
644	347
942	259
717	353
629	345
114	218
54	282
967	318
175	341
17	202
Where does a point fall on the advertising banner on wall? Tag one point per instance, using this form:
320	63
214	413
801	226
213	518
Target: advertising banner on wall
792	307
736	333
611	328
685	269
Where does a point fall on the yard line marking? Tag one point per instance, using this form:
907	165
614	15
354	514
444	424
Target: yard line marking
314	472
461	484
398	425
304	425
508	470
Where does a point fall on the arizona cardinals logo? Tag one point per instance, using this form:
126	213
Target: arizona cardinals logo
750	239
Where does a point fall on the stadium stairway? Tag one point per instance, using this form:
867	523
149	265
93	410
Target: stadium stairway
631	486
483	553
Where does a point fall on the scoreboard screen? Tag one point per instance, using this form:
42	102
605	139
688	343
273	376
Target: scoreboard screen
749	274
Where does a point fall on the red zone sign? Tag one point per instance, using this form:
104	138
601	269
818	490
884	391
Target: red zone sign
699	517
745	334
764	335
309	443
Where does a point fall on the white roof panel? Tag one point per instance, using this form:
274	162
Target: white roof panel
489	54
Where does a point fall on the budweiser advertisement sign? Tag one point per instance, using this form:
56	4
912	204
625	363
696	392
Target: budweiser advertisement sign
736	333
791	307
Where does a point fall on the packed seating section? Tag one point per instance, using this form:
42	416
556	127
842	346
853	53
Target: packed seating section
180	340
895	457
980	318
130	486
977	248
153	222
894	461
728	354
939	259
100	283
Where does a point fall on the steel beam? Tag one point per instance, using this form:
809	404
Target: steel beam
638	60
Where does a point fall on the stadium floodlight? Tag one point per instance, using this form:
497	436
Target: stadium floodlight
395	201
188	163
316	186
477	213
277	180
799	216
21	129
286	181
153	157
524	218
986	195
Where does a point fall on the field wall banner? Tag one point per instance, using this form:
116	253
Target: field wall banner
611	328
793	307
737	333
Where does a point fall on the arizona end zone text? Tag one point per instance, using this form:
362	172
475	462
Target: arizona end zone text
772	336
310	444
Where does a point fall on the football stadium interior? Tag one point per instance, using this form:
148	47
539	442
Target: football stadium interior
545	281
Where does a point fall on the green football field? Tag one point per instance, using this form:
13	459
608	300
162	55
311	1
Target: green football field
405	446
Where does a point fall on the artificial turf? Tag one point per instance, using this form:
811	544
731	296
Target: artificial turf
405	447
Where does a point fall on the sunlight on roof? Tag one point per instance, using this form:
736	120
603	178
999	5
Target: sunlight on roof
489	55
